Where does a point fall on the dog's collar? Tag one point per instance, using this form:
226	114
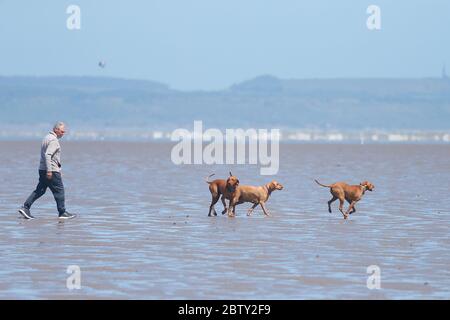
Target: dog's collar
364	188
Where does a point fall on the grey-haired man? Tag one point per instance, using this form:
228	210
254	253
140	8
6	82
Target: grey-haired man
49	174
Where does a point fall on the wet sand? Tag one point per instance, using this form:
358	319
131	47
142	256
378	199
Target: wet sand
143	230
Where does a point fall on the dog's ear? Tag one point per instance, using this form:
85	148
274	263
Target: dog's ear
366	184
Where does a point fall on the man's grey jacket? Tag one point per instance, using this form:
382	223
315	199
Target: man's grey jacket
50	153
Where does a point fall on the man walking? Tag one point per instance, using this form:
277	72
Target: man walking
49	174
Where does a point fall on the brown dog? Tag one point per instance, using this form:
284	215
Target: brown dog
343	191
221	187
255	195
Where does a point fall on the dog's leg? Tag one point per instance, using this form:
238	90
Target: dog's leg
231	211
330	202
263	206
224	205
351	208
249	212
341	207
354	210
232	208
215	198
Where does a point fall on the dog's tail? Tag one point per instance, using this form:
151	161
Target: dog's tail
323	185
207	178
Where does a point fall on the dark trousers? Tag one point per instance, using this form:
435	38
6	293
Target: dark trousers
56	186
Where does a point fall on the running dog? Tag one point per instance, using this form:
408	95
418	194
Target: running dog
351	193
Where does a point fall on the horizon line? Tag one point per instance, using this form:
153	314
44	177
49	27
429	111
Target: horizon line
229	86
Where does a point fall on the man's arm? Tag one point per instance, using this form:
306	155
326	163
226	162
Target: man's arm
51	149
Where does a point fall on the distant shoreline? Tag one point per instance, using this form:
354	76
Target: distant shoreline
331	106
287	136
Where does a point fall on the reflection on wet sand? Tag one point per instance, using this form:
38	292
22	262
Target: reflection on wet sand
143	230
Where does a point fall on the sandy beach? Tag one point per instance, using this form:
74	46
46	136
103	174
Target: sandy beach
143	231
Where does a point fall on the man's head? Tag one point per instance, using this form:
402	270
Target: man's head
59	129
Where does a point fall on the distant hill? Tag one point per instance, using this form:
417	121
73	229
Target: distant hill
266	101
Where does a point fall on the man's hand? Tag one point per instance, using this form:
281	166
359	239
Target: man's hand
49	175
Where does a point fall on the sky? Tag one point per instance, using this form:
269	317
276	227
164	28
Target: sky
212	44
